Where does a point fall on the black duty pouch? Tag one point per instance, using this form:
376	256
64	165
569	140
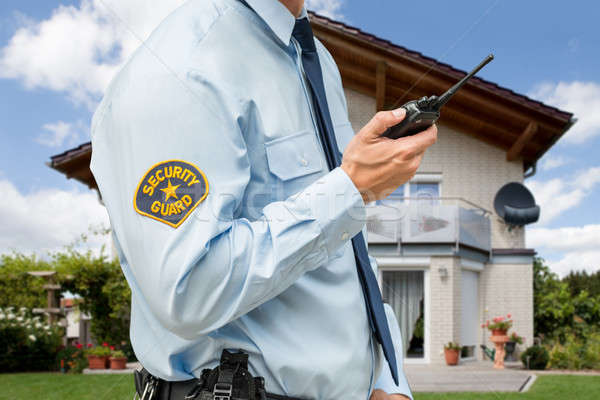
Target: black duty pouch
231	380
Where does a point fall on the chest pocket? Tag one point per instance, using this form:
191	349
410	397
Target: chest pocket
294	156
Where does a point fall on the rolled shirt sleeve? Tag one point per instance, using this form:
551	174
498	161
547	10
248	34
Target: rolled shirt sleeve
385	381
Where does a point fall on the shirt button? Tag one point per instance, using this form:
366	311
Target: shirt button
345	236
303	162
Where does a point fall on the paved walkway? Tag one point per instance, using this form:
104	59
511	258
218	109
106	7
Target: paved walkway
473	376
129	370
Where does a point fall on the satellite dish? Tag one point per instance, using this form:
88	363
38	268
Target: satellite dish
515	204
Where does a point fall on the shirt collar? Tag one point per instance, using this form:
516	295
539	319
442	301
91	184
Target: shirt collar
277	17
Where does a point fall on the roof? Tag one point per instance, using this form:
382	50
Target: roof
440	66
481	108
75	163
524	127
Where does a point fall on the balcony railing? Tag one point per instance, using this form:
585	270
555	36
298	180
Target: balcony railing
435	220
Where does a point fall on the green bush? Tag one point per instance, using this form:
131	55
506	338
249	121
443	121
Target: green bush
17	287
104	293
72	358
538	357
117	354
100	351
576	353
96	280
558	310
27	342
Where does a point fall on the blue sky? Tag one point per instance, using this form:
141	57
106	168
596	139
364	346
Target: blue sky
57	56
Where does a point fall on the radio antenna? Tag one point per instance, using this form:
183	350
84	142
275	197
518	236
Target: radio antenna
443	99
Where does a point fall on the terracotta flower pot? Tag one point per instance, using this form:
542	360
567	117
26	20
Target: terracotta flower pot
499	332
118	362
97	362
451	356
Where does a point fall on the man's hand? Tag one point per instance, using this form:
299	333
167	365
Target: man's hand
378	165
379	394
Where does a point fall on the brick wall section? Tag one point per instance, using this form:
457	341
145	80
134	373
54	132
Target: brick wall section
444	306
470	168
508	288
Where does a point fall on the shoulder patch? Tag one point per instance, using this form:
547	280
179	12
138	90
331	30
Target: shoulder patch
170	191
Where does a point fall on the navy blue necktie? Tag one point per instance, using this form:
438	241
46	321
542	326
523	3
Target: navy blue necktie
377	318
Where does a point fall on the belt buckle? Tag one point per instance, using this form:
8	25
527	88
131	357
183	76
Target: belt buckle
222	391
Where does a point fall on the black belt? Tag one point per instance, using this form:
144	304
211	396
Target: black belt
231	380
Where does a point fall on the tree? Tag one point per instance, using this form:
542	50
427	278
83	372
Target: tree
579	281
558	310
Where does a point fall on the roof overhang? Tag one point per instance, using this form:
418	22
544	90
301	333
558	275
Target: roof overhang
75	164
523	127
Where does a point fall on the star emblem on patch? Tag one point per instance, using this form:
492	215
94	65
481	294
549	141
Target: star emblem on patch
169	191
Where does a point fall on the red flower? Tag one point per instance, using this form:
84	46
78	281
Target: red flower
89	345
483	325
105	344
112	348
508	316
79	345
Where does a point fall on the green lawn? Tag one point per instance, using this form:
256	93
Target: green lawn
117	387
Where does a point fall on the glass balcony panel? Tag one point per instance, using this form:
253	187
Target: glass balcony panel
429	220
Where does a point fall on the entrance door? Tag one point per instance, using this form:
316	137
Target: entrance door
404	291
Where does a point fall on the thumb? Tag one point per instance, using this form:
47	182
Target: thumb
382	121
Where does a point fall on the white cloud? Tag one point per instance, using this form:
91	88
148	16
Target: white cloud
328	8
552	162
559	194
48	219
57	134
581	98
79	48
580	247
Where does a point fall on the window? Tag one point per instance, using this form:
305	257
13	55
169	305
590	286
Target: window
422	186
404	292
425	189
395	197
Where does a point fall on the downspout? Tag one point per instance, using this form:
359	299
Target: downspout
533	169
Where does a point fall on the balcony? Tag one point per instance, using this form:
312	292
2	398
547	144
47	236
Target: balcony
429	220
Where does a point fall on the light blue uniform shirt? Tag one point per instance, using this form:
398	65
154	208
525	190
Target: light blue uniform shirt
264	263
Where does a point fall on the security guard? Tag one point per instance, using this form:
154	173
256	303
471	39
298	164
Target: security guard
214	151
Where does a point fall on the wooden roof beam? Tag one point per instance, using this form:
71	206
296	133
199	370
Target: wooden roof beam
517	148
380	83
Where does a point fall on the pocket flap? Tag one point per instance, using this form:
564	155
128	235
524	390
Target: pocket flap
294	155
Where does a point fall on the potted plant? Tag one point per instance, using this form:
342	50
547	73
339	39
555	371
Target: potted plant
118	360
499	325
98	356
513	340
452	353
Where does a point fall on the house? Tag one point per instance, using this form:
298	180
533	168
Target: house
447	261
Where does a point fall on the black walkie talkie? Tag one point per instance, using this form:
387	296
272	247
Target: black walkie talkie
422	113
